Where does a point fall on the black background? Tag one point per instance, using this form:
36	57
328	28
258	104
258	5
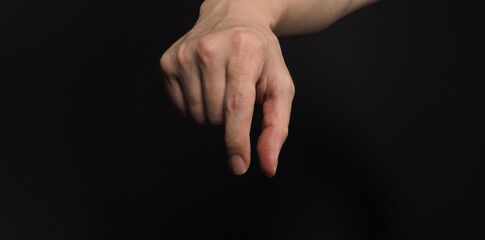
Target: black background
386	136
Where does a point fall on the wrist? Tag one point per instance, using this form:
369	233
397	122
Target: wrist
265	13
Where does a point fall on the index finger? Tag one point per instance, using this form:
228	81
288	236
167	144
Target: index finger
239	103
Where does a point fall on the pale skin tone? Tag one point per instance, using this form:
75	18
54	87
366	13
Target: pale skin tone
231	60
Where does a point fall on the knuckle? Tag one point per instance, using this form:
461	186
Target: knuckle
193	103
215	120
206	48
214	116
287	86
166	62
199	120
236	102
292	89
284	132
244	41
183	55
234	141
197	116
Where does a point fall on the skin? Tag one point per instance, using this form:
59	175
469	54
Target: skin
231	59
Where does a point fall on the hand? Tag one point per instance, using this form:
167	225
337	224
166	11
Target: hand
215	74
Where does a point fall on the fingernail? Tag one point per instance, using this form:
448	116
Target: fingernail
236	163
271	174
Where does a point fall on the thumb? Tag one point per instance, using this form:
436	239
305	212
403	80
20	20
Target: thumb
276	117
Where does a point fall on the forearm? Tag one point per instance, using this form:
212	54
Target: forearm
309	16
287	17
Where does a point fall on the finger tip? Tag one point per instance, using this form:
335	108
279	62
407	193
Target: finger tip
268	164
270	173
237	165
268	160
